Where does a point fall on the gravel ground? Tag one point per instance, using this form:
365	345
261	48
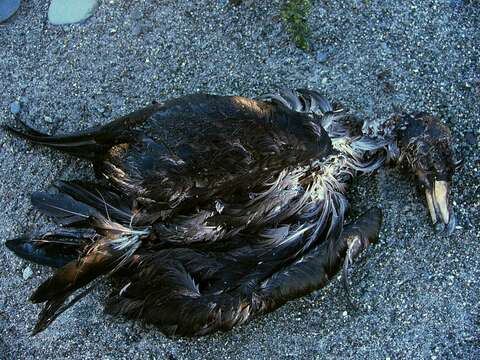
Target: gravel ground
417	291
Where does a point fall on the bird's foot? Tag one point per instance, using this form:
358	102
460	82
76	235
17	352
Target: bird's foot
425	146
358	236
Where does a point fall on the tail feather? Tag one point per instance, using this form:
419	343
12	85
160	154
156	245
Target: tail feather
83	205
63	209
96	243
49	313
108	203
54	250
73	276
55	307
53	253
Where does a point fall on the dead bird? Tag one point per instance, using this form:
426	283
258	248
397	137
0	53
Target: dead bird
211	210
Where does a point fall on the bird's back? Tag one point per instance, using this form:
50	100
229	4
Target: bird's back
201	147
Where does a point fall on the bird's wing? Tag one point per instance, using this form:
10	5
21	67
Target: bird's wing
203	147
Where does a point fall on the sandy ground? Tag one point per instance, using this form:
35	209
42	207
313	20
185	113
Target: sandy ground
418	291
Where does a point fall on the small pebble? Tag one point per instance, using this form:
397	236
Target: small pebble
345	313
15	107
470	138
27	273
321	56
48	119
137	29
456	3
136	14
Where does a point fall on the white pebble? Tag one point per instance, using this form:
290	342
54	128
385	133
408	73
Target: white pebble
27	273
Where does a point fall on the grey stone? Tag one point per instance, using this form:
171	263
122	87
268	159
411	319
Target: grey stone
136	14
470	138
321	56
63	12
27	273
8	8
457	3
137	29
15	107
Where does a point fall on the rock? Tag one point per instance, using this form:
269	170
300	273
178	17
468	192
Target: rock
470	138
136	14
321	56
8	8
456	3
147	26
15	107
358	3
70	11
27	273
137	29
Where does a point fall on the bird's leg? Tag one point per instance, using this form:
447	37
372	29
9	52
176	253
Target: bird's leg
423	145
358	236
314	268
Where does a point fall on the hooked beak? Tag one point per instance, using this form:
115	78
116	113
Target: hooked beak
440	212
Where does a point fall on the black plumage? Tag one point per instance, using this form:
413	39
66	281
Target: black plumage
213	209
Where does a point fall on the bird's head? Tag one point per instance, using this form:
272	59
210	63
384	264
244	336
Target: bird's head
425	146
